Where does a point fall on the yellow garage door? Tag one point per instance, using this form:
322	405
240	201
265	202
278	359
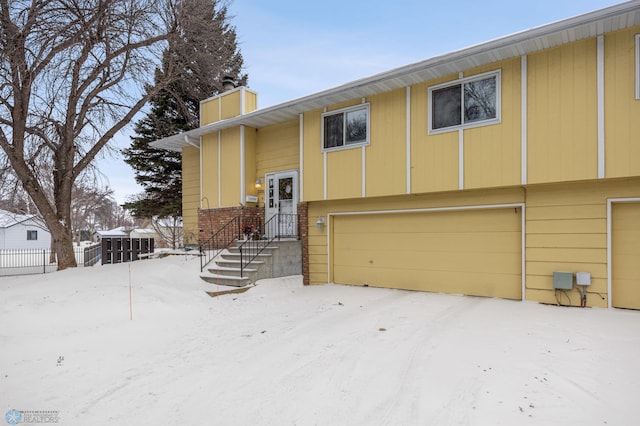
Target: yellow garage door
474	252
625	255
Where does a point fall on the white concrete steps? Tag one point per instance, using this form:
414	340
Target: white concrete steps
225	269
226	280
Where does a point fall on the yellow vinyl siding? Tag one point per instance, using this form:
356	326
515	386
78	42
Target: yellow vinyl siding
386	168
227	105
230	104
345	104
344	174
313	161
562	113
622	110
434	158
567	231
278	148
492	154
317	256
476	252
250	155
230	167
625	247
250	101
209	111
209	146
190	193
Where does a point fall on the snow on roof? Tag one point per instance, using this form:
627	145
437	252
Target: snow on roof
115	232
143	231
8	219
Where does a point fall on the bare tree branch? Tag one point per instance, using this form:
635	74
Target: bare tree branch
72	74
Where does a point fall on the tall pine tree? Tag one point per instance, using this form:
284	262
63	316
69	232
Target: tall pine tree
205	52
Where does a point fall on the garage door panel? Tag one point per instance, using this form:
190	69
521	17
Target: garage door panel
492	220
627	273
419	241
625	247
453	282
476	252
485	262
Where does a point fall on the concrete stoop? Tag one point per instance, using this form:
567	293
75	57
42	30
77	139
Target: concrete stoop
225	269
279	259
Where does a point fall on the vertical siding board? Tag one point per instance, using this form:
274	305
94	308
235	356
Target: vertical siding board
434	158
230	104
230	167
387	150
190	193
210	111
344	174
492	154
562	126
622	126
250	153
312	157
209	147
278	147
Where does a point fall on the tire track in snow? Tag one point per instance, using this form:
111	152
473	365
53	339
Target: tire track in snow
420	355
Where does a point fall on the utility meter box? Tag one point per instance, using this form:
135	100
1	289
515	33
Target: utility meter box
563	280
583	278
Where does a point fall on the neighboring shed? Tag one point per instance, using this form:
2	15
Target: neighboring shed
118	232
19	231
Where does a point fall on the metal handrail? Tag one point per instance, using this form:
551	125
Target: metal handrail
219	241
277	227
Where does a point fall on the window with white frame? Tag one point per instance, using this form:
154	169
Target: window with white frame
467	102
32	235
638	66
346	127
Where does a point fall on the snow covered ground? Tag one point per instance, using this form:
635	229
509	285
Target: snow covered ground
284	354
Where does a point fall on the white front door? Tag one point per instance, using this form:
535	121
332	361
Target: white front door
281	198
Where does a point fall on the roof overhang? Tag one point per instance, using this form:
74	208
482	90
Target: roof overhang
592	24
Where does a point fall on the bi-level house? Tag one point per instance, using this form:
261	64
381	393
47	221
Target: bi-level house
486	171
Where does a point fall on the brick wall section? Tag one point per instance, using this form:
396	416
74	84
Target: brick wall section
303	230
211	220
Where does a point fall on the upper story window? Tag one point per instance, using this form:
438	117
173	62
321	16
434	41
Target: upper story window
468	102
32	235
638	66
346	127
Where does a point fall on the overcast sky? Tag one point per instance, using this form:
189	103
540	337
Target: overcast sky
293	48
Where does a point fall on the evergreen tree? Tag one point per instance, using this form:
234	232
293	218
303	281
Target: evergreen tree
205	52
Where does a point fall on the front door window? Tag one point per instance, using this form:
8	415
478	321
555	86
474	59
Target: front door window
282	200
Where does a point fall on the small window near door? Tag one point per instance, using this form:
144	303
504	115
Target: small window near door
32	235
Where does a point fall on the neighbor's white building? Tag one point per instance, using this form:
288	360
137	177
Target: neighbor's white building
22	232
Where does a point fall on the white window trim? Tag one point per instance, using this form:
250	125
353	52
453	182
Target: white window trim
462	81
366	106
637	66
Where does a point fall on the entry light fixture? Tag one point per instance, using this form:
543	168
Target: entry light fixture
259	182
320	223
